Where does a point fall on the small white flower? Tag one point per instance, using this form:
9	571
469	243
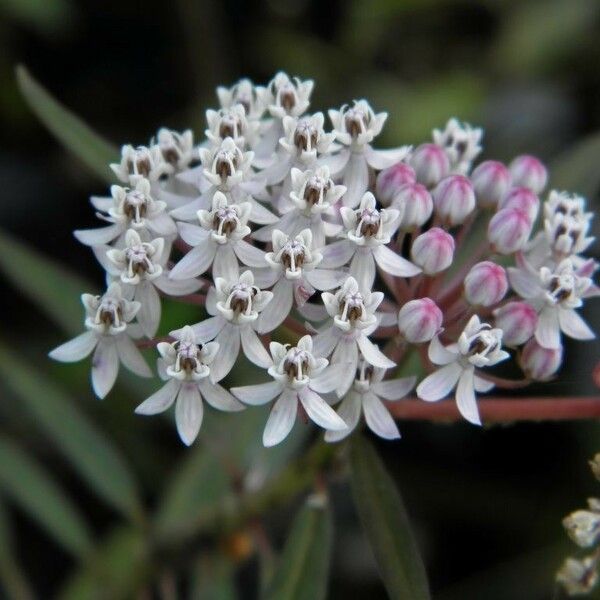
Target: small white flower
231	123
578	576
107	320
478	346
284	96
177	149
185	366
461	143
242	93
365	396
141	162
226	165
583	527
299	379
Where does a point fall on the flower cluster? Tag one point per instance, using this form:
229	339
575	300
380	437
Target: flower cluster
365	255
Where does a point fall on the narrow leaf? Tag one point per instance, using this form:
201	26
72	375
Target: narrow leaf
386	524
304	568
86	448
93	150
32	489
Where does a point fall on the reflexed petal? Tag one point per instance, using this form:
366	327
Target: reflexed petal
76	349
195	262
394	389
313	312
465	397
324	279
573	325
99	236
373	354
105	366
225	263
261	215
163	225
253	349
337	254
281	419
250	255
524	283
345	353
393	264
440	383
149	314
218	397
229	348
192	234
265	278
105	263
335	162
206	330
349	412
482	385
387	319
329	379
362	268
131	357
177	287
160	400
279	307
319	411
438	353
382	159
188	412
378	417
547	332
356	180
259	394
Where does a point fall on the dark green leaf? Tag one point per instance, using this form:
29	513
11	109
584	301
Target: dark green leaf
304	568
90	452
94	151
31	488
386	524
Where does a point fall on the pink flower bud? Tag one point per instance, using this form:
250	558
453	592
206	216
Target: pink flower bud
419	320
433	250
454	199
486	284
509	230
431	164
523	198
390	180
415	205
540	363
518	321
529	172
491	180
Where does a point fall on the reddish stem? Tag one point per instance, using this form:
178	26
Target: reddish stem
153	342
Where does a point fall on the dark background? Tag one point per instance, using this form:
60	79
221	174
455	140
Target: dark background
486	503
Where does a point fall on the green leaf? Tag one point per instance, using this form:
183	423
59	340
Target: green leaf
304	567
386	524
213	578
87	449
54	289
77	137
32	489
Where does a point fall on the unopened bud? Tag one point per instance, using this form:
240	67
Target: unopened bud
522	198
454	199
433	250
420	320
415	205
509	230
528	171
518	321
491	180
583	527
486	284
431	164
389	181
540	363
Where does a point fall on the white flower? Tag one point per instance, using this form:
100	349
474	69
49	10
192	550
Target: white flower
231	123
242	93
355	128
129	208
235	305
478	346
583	527
141	162
218	242
578	576
353	314
555	293
367	233
461	143
365	396
284	96
185	366
177	149
294	275
299	378
226	165
107	319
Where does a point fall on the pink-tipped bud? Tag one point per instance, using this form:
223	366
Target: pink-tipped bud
454	199
419	320
415	205
518	321
540	363
523	198
389	181
491	180
509	230
433	251
431	164
486	284
528	171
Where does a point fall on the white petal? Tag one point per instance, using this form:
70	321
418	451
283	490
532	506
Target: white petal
206	330
362	268
319	411
99	236
373	354
547	332
162	225
250	255
149	314
179	287
391	263
279	307
259	214
281	419
394	389
105	366
349	412
256	395
102	204
387	319
438	353
337	254
324	279
188	211
335	162
382	159
218	397
329	379
225	263
524	283
465	397
192	234
345	353
131	357
253	348
188	412
356	180
105	263
76	349
573	325
482	385
313	312
440	383
229	348
378	417
160	400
